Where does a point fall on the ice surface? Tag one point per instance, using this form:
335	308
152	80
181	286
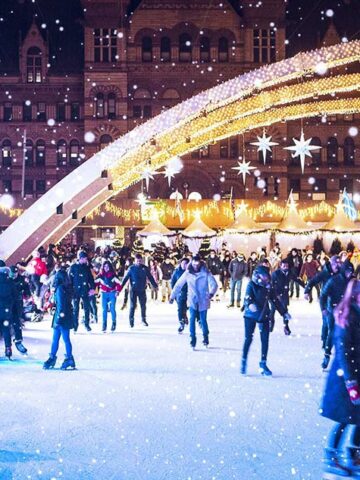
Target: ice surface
143	406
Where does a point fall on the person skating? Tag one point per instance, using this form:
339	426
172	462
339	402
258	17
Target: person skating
156	272
280	280
309	273
237	271
63	321
138	274
127	265
215	267
259	293
329	269
8	295
22	289
110	285
181	298
83	285
341	399
167	269
331	295
251	264
37	270
202	287
295	263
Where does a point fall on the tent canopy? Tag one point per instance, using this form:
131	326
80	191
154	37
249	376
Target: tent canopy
292	222
244	224
155	227
340	222
198	229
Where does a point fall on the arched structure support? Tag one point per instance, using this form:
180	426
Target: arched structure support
274	93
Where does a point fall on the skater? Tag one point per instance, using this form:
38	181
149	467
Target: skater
295	263
38	271
259	293
341	400
7	304
280	280
83	286
63	321
237	270
156	272
214	266
110	285
202	287
22	289
331	295
329	269
138	274
181	298
128	263
167	269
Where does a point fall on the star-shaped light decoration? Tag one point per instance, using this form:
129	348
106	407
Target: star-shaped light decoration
244	169
148	175
302	149
174	166
264	145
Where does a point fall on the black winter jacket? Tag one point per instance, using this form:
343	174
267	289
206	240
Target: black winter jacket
333	292
138	275
280	283
237	269
8	295
167	270
81	279
63	315
214	265
336	403
257	300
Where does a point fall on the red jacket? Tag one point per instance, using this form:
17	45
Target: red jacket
310	269
37	267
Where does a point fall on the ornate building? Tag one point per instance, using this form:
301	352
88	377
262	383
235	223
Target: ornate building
141	58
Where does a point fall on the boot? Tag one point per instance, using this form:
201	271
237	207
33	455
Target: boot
144	322
20	347
131	321
8	352
325	362
353	460
230	305
193	342
238	304
181	327
113	327
264	369
69	362
50	363
243	366
88	328
333	462
206	341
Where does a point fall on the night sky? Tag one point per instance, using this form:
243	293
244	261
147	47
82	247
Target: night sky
307	20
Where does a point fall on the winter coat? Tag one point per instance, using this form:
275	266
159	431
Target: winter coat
321	277
257	300
336	403
156	273
167	270
182	295
250	266
333	292
309	270
37	267
22	289
200	285
205	247
8	296
108	282
81	278
138	275
280	283
295	264
237	269
214	265
63	315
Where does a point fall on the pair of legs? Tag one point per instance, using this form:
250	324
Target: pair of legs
293	284
250	325
317	288
338	432
5	330
64	333
134	296
166	289
76	307
192	325
108	299
181	311
154	293
93	308
235	284
35	287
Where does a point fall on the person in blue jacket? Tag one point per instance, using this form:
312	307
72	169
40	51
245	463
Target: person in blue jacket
63	321
138	275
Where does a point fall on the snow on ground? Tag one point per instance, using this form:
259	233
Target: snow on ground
143	406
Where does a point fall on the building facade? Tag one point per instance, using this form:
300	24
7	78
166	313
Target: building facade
143	58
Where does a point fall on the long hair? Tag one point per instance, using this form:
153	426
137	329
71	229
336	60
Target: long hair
342	311
111	268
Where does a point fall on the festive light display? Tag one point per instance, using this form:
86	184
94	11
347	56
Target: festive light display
264	145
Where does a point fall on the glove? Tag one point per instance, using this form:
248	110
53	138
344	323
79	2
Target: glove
353	391
118	288
287	317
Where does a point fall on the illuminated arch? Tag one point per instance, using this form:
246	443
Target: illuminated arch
260	98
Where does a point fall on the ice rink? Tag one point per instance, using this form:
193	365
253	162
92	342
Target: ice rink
143	406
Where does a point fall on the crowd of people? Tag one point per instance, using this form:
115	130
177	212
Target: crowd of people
66	280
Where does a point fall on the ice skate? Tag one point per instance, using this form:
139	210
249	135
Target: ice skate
353	461
144	322
88	328
287	330
334	467
325	362
264	369
113	328
50	363
69	362
206	341
8	353
181	328
20	347
193	342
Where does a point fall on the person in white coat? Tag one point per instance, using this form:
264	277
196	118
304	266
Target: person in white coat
202	286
